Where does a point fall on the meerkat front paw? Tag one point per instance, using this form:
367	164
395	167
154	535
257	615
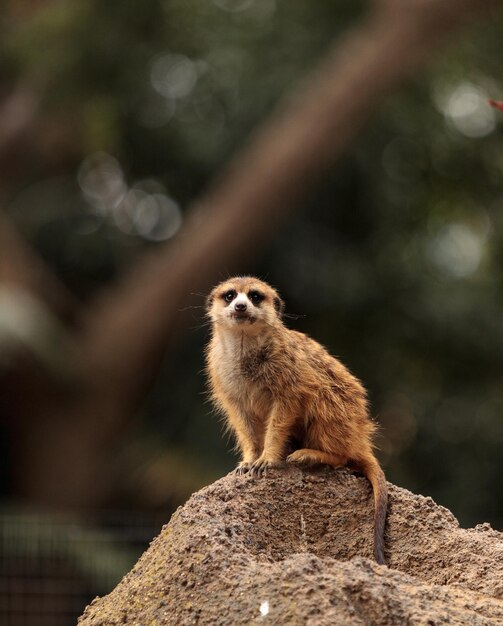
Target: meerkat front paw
242	468
261	465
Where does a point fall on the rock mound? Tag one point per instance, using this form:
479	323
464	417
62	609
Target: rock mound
296	548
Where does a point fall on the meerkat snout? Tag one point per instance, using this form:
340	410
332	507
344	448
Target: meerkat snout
241	303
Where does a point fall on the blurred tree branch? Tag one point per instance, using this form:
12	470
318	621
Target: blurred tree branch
284	158
22	268
17	113
124	335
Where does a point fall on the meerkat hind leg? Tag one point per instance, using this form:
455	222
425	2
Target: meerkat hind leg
316	457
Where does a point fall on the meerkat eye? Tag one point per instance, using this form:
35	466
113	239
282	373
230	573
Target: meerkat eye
256	297
229	295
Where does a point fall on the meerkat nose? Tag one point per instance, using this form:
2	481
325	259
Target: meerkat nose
240	306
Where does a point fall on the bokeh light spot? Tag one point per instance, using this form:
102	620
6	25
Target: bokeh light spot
457	249
155	216
173	75
466	108
101	179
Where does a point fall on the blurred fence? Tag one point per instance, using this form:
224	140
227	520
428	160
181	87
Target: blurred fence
52	567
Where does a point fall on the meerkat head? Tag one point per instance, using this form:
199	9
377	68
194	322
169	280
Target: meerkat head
245	303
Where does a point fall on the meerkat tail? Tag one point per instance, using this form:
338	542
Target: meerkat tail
372	470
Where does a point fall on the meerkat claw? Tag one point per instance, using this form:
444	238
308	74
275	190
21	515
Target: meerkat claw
298	458
242	468
259	468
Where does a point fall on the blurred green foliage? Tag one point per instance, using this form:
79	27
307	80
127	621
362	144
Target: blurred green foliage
395	260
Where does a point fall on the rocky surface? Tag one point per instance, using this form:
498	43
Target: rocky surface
296	548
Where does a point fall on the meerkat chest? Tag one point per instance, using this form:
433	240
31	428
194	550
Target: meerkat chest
242	374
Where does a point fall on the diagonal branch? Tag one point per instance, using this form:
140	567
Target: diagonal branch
128	331
22	268
17	113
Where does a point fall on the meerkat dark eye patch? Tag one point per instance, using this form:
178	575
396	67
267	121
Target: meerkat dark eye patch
255	296
229	296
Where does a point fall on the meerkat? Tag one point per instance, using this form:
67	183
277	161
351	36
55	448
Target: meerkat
283	395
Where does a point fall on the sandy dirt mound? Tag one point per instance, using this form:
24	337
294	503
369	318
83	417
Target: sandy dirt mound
296	548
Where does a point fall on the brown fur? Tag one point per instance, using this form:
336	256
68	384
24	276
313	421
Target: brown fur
284	396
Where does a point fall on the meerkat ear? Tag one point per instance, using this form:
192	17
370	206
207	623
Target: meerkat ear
209	301
279	305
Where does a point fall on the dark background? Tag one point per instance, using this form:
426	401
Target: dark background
394	261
